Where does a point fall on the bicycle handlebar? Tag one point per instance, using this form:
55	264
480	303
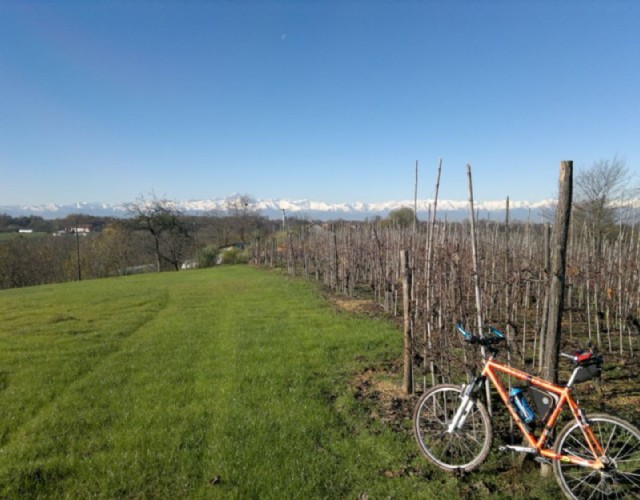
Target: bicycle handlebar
498	336
582	358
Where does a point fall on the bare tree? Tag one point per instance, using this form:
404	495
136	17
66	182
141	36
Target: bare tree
603	193
243	215
167	227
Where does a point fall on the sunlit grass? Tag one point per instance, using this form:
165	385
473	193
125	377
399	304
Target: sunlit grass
227	382
222	383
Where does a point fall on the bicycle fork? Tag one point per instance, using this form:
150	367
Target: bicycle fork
467	401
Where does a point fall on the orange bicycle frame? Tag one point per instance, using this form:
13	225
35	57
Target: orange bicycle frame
490	370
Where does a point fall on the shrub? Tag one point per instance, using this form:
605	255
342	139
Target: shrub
209	256
235	256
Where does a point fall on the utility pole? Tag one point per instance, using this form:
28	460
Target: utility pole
78	252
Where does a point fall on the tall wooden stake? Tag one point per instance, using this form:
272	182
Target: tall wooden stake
542	335
415	204
474	254
429	260
408	330
476	276
558	267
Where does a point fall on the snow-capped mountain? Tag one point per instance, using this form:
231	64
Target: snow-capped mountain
273	208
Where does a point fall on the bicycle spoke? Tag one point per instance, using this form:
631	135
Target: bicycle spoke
437	418
620	478
606	448
622	448
586	454
589	481
466	447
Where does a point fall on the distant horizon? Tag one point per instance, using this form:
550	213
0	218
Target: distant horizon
233	196
273	208
519	210
421	201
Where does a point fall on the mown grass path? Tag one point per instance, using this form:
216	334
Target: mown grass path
222	383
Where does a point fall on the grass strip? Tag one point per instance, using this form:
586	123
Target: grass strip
229	382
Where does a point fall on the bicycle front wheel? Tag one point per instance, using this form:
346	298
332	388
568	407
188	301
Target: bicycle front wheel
621	476
461	450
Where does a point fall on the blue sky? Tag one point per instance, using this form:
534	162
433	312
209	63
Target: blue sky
328	101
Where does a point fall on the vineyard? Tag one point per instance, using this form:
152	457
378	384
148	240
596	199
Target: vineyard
602	282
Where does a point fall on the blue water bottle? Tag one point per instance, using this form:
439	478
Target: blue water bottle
522	405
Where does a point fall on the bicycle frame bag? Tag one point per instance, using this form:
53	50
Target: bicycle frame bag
543	402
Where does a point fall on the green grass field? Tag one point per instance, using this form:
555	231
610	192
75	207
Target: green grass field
223	383
8	236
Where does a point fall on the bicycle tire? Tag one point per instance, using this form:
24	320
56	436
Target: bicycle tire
460	451
621	443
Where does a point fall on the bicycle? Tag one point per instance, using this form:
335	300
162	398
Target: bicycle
593	457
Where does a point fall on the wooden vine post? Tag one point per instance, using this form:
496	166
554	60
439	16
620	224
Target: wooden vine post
476	275
408	330
428	341
557	275
474	254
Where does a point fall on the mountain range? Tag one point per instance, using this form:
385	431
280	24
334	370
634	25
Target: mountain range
312	210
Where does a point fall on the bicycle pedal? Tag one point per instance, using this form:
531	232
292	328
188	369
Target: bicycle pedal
542	460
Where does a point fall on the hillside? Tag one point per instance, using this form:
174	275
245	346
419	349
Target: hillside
226	383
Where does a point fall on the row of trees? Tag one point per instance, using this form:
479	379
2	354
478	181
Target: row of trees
156	236
35	223
602	285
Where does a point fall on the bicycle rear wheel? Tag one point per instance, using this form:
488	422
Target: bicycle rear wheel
462	450
621	476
